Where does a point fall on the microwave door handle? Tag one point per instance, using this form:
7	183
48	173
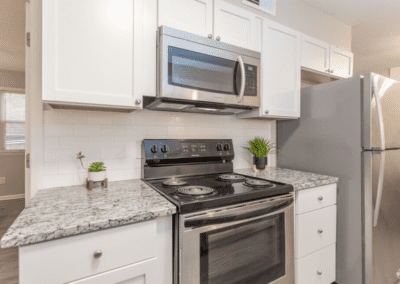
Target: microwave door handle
201	222
243	81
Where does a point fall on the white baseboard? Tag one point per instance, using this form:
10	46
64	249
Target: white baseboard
10	197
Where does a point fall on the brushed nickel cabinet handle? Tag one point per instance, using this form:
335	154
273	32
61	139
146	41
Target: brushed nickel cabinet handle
210	36
320	231
138	101
319	272
320	198
218	38
267	112
97	254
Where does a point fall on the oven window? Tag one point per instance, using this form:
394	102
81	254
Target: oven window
253	252
199	71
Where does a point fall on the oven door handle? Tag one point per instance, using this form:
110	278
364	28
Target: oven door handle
201	222
243	80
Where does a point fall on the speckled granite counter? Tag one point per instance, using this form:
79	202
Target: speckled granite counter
67	211
299	180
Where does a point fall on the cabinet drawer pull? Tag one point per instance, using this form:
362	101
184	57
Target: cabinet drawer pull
210	36
97	254
320	231
218	38
320	198
319	272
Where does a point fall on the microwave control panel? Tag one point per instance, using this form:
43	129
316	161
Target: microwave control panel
155	149
251	80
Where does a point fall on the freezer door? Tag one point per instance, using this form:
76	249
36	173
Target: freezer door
388	91
381	246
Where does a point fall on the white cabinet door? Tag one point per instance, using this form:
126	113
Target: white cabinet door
315	54
193	16
341	62
89	52
236	26
281	71
140	273
317	268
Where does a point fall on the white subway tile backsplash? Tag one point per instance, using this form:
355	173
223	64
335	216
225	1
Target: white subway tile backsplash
112	130
51	142
115	139
58	155
87	130
58	130
58	180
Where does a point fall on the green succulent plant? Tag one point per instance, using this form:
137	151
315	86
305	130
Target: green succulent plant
261	147
97	167
94	167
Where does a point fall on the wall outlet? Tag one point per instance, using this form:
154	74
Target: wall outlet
2	180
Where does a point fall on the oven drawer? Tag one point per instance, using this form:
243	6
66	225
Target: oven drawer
315	230
317	268
315	198
73	258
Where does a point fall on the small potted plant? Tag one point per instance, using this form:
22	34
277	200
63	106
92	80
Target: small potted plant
96	171
260	148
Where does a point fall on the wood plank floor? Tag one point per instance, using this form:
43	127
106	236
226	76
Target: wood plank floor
9	211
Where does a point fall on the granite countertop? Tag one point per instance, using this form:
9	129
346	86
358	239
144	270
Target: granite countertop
68	211
299	180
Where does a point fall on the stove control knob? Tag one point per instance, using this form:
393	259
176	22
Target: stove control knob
219	147
164	148
227	147
154	149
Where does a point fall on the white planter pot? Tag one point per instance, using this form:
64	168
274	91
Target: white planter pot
97	176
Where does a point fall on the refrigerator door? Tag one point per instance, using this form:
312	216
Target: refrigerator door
327	140
381	246
388	91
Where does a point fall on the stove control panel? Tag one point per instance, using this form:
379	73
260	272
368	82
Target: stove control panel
156	149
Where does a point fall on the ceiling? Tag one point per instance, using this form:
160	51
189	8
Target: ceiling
375	23
12	35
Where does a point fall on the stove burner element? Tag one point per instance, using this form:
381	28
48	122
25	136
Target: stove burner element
232	177
174	182
257	182
195	190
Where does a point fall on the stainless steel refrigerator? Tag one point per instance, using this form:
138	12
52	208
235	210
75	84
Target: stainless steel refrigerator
351	129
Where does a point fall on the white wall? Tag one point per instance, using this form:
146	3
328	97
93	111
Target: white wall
115	138
307	19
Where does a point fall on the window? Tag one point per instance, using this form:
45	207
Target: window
12	125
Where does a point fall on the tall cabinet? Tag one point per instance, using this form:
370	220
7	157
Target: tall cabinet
92	52
280	73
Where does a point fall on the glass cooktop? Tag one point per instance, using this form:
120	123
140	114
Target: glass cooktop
195	193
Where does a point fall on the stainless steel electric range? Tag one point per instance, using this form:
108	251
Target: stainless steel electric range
229	228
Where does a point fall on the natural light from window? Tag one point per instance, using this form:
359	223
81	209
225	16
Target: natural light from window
12	125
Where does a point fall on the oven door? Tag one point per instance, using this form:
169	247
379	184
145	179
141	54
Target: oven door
247	243
196	72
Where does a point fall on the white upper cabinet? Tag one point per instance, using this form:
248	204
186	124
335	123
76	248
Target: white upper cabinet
280	73
193	16
90	54
235	26
341	62
323	57
315	54
213	19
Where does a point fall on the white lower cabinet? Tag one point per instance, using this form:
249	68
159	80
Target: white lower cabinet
137	253
141	273
315	231
318	268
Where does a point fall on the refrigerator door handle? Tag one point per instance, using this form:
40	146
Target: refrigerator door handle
375	92
380	188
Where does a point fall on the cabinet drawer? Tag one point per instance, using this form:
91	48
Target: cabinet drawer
73	258
315	198
315	230
317	268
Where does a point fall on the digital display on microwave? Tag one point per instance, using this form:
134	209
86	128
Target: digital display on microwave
250	68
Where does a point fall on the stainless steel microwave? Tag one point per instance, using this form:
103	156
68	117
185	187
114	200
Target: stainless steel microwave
198	74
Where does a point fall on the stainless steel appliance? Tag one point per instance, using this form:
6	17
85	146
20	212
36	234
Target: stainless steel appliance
229	228
351	129
198	74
